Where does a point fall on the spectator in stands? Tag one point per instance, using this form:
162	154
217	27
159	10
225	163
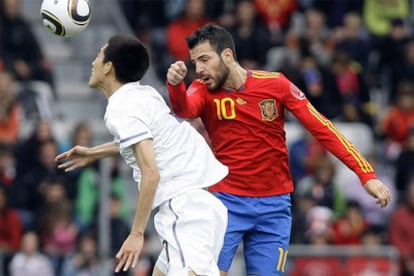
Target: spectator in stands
276	15
143	16
316	39
81	135
391	53
355	97
322	187
403	70
10	230
27	147
119	226
58	231
251	37
372	237
378	16
19	48
401	231
27	189
334	10
193	17
319	226
300	210
7	168
10	110
404	165
349	228
84	261
304	153
397	120
29	261
353	40
87	198
319	85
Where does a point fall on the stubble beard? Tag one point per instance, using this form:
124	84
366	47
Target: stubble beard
221	77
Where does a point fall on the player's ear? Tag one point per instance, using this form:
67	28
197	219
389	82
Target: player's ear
227	55
108	67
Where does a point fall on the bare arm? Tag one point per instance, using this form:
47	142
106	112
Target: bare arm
78	156
128	255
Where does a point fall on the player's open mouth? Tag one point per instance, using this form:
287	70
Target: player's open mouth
206	79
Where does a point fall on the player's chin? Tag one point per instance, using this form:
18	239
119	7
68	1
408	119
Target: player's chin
91	82
210	84
212	87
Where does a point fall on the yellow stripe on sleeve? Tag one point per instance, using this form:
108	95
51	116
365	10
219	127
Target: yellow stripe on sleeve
362	162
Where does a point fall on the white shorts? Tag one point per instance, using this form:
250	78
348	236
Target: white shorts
191	227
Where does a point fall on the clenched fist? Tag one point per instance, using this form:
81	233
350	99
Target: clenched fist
176	73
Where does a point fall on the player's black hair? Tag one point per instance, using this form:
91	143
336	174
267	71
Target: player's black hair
129	57
218	37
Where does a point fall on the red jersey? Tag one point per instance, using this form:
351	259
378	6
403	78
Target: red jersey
246	128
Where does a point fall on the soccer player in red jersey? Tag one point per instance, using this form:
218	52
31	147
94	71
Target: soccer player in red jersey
244	114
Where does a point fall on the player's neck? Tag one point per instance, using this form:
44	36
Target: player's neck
110	87
237	78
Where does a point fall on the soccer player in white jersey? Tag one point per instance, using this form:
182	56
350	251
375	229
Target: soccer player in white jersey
171	162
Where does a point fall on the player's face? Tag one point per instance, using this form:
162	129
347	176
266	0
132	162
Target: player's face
97	73
209	66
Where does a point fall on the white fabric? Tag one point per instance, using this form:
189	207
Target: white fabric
37	264
136	112
191	228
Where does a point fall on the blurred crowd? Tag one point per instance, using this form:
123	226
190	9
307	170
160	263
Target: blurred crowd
354	60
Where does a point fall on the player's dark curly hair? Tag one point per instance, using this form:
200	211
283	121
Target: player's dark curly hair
129	57
218	37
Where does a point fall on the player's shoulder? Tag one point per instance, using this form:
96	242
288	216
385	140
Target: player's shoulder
261	74
268	78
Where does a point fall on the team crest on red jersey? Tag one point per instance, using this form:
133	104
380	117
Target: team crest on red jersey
269	110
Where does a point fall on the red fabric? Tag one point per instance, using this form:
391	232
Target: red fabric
396	124
369	266
348	82
61	239
344	233
177	31
324	266
10	126
401	229
276	11
10	229
246	128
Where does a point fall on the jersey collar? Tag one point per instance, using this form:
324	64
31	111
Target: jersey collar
241	88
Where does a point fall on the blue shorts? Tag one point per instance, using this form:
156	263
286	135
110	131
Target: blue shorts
264	226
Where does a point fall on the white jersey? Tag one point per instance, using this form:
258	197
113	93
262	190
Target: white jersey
137	112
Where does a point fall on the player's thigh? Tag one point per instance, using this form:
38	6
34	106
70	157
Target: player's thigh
242	219
191	228
266	247
157	272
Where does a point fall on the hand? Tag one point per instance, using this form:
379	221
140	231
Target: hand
176	73
76	157
377	189
130	250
